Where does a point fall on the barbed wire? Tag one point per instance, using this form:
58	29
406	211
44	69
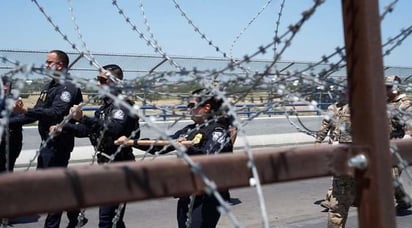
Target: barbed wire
88	55
64	36
79	34
207	77
149	43
277	24
238	64
147	25
198	30
247	26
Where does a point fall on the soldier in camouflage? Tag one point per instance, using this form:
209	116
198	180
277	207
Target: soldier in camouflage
327	129
327	126
337	123
399	109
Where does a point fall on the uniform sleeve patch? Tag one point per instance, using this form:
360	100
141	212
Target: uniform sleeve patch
217	136
66	96
118	114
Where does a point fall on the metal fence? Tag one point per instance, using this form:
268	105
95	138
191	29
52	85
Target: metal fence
171	112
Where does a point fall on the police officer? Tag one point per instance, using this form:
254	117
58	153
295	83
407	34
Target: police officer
54	103
209	134
12	138
399	108
109	123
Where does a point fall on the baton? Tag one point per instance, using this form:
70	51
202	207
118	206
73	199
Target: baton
131	142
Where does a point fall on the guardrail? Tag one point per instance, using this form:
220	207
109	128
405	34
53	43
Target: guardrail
165	112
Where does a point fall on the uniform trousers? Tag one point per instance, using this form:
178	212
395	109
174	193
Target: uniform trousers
204	213
56	154
343	195
106	215
400	194
15	145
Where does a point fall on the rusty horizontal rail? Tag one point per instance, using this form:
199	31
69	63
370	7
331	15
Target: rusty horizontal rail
25	193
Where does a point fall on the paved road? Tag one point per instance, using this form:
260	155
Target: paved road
258	126
289	205
259	132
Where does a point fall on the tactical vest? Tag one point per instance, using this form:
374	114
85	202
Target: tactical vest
343	127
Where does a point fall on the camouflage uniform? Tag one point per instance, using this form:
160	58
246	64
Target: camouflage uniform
343	187
328	126
398	110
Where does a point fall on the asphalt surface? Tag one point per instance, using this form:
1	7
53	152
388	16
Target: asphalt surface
260	132
290	204
258	126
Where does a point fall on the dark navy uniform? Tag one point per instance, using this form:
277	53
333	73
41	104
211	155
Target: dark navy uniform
14	140
113	122
211	138
53	104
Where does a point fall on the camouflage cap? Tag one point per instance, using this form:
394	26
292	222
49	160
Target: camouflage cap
392	80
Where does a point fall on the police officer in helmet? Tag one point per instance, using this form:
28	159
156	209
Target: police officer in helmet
210	134
109	122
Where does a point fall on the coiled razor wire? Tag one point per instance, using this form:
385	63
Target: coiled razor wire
293	29
247	26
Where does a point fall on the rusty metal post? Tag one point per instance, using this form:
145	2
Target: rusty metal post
368	111
57	189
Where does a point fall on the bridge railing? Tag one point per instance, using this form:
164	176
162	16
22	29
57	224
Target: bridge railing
167	112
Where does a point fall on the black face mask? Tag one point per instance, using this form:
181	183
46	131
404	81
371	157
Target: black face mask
102	80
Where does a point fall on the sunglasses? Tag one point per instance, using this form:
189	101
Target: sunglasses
191	105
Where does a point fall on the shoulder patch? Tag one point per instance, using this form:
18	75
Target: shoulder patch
66	96
217	136
118	114
197	138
